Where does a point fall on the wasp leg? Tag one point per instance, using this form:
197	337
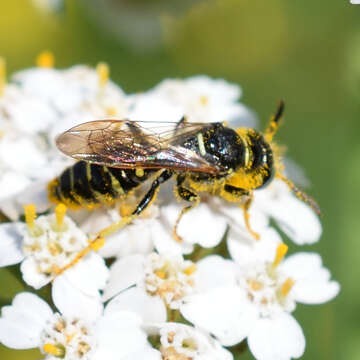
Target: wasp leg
240	193
99	241
188	195
274	122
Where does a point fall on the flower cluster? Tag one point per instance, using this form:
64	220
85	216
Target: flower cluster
145	294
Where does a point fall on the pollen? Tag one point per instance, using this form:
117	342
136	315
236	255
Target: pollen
160	274
280	253
30	216
204	100
255	285
2	75
45	59
111	111
287	286
98	244
103	72
54	350
139	172
190	269
60	212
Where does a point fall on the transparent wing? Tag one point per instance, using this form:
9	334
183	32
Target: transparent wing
130	144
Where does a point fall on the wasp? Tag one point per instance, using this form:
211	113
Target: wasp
117	156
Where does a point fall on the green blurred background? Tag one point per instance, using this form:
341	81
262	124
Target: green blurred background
306	52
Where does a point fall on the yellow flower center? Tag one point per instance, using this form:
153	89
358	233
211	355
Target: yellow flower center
30	216
287	286
280	253
54	350
45	59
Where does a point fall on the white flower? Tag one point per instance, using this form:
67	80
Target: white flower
206	224
180	342
295	218
48	244
80	330
38	105
203	99
259	302
135	238
169	278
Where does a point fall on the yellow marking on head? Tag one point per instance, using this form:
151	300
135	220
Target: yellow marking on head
139	172
287	286
103	72
190	269
246	180
54	350
45	59
201	144
281	251
2	76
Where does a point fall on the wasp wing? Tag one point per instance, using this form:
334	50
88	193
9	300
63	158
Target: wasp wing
130	144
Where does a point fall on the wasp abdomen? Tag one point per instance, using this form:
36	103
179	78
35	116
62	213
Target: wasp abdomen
85	184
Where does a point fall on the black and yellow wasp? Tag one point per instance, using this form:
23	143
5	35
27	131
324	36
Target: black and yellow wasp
117	156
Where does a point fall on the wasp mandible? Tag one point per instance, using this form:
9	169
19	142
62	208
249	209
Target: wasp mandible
117	156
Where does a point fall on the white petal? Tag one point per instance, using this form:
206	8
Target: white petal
312	280
235	216
199	226
278	338
22	323
31	274
72	302
149	308
214	271
147	353
124	273
119	334
11	183
89	275
11	235
30	161
246	250
294	217
224	312
165	243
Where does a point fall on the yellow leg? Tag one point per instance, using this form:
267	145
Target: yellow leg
246	207
99	240
97	243
183	211
299	193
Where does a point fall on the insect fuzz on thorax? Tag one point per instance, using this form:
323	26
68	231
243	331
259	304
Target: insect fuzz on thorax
244	159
